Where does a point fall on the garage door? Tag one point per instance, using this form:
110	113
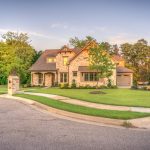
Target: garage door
123	80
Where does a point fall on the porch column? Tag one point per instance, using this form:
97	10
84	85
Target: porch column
31	78
43	81
131	79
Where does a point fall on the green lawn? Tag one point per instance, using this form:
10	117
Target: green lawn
124	97
3	89
85	110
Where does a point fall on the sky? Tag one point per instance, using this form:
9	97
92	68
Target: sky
51	23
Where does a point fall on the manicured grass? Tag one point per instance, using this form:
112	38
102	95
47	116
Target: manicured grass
122	97
85	110
3	89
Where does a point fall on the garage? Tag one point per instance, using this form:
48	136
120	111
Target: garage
124	80
124	77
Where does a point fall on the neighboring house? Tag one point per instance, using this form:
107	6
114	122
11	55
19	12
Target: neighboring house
66	65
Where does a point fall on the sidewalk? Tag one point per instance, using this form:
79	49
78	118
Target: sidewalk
90	104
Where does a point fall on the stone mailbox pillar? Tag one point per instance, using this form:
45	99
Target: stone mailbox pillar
13	84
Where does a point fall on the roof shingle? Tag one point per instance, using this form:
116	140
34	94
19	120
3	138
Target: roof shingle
42	65
121	69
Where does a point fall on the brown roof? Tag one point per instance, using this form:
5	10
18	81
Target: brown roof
42	65
67	49
121	69
85	69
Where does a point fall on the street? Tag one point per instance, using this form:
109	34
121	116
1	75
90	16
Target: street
23	127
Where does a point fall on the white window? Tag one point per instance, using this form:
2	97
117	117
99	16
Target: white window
90	76
64	77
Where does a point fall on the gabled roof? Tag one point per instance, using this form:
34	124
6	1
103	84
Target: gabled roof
67	49
89	44
42	65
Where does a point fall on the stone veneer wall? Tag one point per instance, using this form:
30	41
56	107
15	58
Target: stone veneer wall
48	79
82	60
34	79
59	62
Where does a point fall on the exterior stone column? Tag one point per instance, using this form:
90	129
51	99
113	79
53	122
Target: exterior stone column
131	79
31	79
43	82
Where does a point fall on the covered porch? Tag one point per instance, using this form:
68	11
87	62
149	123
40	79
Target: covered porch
47	79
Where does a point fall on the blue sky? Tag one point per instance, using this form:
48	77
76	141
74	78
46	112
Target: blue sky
51	23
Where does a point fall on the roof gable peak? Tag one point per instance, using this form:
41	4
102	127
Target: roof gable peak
65	48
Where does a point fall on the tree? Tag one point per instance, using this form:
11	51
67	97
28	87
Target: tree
137	57
101	62
80	43
77	43
36	56
18	53
8	60
115	49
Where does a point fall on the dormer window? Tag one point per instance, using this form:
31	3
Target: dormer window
51	59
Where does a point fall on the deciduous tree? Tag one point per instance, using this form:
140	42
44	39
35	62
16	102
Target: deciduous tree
100	61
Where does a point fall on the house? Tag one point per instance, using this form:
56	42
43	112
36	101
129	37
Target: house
66	65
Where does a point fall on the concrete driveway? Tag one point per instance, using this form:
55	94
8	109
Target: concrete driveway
23	127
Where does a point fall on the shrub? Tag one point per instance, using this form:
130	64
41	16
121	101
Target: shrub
56	84
81	87
103	87
148	88
109	84
114	87
64	85
144	88
134	87
73	85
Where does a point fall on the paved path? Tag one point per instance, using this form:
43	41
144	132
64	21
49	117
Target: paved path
89	104
23	127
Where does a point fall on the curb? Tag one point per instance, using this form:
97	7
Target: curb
102	120
136	123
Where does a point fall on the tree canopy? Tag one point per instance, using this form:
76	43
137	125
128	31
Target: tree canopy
80	43
137	57
100	61
17	54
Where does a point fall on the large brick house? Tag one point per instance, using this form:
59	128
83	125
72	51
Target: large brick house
66	65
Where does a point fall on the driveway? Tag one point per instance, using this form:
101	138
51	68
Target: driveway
23	127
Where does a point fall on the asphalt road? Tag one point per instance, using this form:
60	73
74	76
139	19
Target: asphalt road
23	127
